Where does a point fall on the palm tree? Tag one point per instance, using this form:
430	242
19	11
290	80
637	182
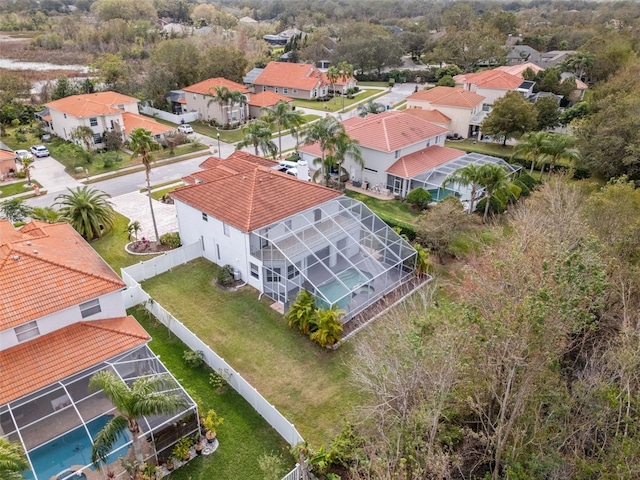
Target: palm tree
235	97
133	229
467	176
283	116
324	132
220	95
12	460
344	145
530	147
87	210
258	134
559	147
83	134
302	312
370	107
27	165
329	327
141	142
345	71
45	214
333	75
492	177
423	262
144	397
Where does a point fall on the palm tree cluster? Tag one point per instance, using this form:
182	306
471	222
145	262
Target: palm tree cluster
12	460
227	98
322	325
335	144
542	147
335	73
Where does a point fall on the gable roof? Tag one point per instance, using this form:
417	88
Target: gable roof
64	352
302	76
207	86
45	268
449	97
261	195
91	104
519	69
215	168
495	79
133	121
433	116
267	99
419	162
7	154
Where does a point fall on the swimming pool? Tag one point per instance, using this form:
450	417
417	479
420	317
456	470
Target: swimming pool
335	290
72	448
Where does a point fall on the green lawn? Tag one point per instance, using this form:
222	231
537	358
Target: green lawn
307	384
394	209
244	435
10	189
111	246
335	104
488	148
373	84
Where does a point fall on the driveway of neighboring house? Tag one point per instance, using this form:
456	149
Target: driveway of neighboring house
135	206
51	175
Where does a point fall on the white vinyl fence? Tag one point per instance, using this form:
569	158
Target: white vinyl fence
135	295
294	474
169	117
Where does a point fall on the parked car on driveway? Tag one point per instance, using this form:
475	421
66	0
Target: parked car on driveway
22	154
185	128
40	151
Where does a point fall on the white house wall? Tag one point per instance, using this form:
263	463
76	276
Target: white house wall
491	94
200	103
217	247
459	116
111	306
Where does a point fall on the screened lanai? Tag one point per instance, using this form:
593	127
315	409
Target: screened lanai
340	251
433	179
56	424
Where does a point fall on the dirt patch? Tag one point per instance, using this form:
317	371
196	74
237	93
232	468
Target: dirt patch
22	51
146	247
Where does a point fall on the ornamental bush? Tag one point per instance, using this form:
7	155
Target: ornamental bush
419	198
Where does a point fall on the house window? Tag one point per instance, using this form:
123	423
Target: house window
225	229
285	90
274	275
205	217
292	272
275	89
97	138
397	153
428	143
264	88
65	115
486	107
93	121
254	270
295	90
27	331
120	107
90	308
317	215
194	96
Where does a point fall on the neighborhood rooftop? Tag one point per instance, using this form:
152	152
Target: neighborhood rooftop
207	87
449	96
91	104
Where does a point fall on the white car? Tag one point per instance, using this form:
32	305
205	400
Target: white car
185	128
23	154
40	151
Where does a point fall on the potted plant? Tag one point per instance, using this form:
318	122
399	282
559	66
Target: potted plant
211	422
199	446
181	450
170	464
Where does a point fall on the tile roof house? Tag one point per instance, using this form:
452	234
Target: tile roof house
102	112
62	318
200	97
8	161
459	105
282	234
295	80
384	138
491	84
260	100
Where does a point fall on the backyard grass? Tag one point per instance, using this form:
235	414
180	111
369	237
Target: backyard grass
394	209
488	148
244	435
307	384
111	246
16	188
335	104
373	84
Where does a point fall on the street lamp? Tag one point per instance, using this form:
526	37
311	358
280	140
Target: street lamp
219	153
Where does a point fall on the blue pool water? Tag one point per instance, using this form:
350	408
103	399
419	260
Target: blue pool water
335	290
72	448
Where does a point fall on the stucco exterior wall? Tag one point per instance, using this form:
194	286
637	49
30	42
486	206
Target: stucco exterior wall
200	103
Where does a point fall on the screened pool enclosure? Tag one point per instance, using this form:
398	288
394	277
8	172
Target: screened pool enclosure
339	251
56	424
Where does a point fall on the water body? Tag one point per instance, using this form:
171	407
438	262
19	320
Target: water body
40	66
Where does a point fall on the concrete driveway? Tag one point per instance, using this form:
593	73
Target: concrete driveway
135	206
51	175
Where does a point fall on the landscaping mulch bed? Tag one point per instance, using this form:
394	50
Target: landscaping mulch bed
144	247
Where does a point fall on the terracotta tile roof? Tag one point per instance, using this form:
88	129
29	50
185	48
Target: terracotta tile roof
207	86
302	76
91	104
239	158
252	199
496	79
387	131
45	268
7	155
344	80
267	99
433	116
448	96
517	70
133	121
39	362
419	162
